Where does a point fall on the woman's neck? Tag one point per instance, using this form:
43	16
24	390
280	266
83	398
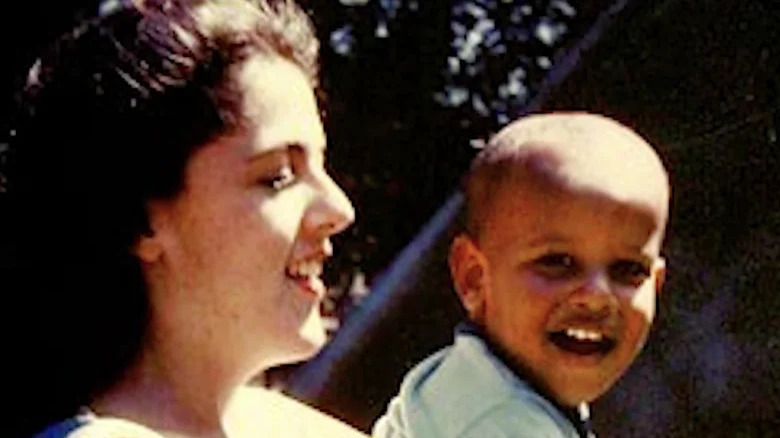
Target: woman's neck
174	394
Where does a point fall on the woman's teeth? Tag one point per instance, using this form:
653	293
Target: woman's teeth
305	269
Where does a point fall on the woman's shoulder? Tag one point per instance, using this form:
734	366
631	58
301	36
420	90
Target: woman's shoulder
254	412
280	416
90	426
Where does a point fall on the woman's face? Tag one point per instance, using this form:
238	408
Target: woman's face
241	248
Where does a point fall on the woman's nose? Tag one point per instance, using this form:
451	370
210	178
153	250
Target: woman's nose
332	211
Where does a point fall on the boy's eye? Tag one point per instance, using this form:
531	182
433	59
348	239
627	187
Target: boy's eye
628	272
280	179
556	265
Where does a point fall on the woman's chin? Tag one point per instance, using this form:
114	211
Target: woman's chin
298	341
312	332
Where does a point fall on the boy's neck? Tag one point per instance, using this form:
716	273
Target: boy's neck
578	416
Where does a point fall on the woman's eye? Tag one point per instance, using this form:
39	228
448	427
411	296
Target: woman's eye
280	179
557	265
628	272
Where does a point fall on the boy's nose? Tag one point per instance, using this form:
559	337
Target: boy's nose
595	294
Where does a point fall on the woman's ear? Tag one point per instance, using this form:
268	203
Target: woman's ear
469	271
148	246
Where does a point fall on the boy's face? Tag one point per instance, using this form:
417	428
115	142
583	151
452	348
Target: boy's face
564	281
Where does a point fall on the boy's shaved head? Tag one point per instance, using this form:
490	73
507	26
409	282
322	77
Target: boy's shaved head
579	151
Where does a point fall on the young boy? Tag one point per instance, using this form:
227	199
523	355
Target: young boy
558	271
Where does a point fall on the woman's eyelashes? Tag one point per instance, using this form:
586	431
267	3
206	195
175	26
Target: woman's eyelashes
284	167
280	178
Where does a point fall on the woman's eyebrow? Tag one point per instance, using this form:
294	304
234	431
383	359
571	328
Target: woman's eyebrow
287	148
280	149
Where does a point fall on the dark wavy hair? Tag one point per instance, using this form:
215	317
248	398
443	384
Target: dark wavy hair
107	120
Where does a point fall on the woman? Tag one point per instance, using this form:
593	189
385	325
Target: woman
171	217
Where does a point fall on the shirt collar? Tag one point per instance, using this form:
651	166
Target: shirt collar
579	416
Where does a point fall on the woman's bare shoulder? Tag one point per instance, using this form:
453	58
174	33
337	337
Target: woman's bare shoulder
113	428
260	412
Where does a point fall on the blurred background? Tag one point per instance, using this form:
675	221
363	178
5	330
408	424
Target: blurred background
412	90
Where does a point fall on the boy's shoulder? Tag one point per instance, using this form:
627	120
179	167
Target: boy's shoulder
464	390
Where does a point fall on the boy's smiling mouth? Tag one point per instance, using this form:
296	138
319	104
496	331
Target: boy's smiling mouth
582	341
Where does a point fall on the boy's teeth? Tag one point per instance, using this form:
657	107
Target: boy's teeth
584	335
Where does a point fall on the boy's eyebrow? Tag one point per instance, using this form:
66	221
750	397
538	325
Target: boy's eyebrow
644	258
555	238
546	239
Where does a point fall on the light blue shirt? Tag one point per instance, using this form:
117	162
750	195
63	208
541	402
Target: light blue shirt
465	391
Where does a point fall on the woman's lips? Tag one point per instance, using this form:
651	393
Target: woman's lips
306	274
312	285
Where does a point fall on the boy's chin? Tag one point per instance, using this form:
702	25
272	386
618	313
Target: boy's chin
583	375
574	385
573	397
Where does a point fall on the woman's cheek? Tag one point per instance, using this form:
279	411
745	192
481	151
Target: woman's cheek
283	214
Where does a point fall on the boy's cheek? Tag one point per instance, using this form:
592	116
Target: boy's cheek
638	318
546	286
643	301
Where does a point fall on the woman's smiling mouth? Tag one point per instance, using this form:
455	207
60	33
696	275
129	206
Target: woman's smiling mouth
307	274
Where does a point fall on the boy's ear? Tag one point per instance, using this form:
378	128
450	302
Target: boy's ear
469	270
660	274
